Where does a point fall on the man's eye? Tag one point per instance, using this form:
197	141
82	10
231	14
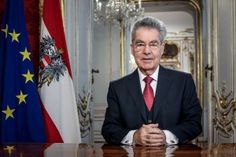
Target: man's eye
140	44
153	44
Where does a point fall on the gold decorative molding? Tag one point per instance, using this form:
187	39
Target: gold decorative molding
122	53
225	112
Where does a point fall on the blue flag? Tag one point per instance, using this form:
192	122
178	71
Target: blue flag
21	114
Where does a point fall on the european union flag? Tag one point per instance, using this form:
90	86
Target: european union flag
21	115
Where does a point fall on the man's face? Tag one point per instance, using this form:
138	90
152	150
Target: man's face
147	49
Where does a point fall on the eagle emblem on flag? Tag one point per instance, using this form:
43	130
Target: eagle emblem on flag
51	63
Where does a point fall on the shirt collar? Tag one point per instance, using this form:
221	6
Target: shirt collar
154	75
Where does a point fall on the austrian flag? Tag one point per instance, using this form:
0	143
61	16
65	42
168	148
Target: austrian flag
45	61
55	84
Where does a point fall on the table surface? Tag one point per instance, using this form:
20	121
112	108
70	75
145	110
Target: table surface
106	150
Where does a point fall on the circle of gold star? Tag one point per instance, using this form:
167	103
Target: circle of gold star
9	149
8	112
14	36
5	30
21	97
28	76
25	54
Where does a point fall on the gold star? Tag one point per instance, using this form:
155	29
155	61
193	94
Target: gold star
25	54
22	97
8	112
14	36
28	76
5	30
9	149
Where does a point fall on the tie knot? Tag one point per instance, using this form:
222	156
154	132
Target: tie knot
148	79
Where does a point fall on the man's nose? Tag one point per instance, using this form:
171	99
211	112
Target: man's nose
147	49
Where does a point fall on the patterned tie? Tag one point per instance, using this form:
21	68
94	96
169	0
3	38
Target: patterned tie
148	92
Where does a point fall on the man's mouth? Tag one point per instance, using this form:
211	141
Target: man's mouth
147	59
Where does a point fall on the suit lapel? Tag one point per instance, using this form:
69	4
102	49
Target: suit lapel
163	85
136	94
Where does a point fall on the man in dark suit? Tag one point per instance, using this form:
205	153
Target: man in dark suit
152	106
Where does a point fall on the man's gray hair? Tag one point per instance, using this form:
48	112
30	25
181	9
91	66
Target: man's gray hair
150	22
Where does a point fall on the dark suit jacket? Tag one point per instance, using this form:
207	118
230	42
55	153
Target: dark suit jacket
176	107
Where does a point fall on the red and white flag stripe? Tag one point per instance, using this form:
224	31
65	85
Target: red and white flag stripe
58	98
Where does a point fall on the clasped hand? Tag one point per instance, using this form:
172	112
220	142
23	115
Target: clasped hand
149	135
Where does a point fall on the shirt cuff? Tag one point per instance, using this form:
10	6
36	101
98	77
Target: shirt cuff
171	139
128	139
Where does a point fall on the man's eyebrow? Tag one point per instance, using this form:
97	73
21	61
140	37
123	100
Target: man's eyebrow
139	41
154	41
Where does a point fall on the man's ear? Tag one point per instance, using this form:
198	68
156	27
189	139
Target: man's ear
132	48
162	47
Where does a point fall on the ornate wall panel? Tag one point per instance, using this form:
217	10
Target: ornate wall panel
225	43
223	46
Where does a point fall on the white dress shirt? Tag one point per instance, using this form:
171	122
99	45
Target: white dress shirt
170	137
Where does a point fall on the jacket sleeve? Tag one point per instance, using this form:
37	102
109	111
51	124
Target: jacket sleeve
112	129
189	125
